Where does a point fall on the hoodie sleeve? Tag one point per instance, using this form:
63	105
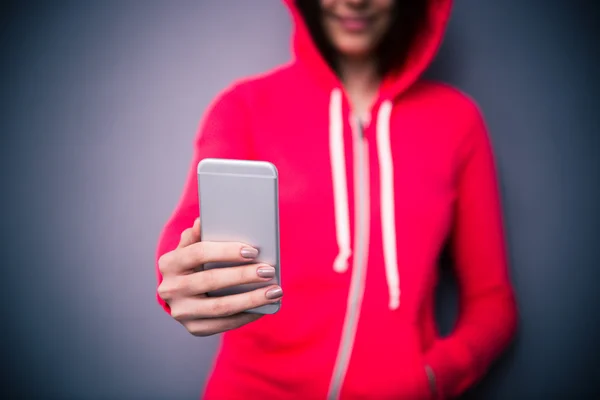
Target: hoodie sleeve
223	133
487	315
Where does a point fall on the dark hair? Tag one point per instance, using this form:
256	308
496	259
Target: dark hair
409	19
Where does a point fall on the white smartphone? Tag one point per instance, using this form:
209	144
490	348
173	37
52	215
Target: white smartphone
239	201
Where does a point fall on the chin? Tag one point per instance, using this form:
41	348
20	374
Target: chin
354	48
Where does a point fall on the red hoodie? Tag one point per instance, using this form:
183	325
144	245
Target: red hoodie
364	214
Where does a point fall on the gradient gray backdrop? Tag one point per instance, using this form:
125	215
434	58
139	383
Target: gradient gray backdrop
100	101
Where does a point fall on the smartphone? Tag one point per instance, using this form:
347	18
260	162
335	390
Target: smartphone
239	202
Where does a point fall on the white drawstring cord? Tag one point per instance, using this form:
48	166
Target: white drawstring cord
340	187
388	216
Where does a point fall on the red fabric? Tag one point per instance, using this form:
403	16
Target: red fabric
445	187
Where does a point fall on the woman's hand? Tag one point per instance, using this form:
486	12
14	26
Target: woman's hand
184	286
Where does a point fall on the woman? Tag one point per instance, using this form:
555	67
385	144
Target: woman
378	170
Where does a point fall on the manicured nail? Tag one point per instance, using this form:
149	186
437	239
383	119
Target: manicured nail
249	252
274	293
266	272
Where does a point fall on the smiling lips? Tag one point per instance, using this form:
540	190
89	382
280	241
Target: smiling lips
354	24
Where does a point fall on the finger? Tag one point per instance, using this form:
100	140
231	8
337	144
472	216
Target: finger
219	278
211	326
214	307
209	280
190	235
196	254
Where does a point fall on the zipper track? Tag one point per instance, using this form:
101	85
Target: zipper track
359	267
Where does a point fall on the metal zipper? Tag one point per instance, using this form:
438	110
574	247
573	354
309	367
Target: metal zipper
359	267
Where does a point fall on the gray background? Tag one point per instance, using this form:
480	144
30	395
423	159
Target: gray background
100	101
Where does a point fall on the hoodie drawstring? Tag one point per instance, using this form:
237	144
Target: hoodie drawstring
340	189
388	216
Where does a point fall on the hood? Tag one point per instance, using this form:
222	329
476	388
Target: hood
422	53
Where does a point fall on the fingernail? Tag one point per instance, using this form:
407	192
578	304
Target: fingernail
266	272
249	252
274	293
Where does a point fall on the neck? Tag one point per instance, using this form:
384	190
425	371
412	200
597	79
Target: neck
359	74
361	81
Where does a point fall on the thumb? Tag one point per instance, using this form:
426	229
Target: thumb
190	235
196	229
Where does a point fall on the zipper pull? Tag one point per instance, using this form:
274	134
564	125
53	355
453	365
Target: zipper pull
357	124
